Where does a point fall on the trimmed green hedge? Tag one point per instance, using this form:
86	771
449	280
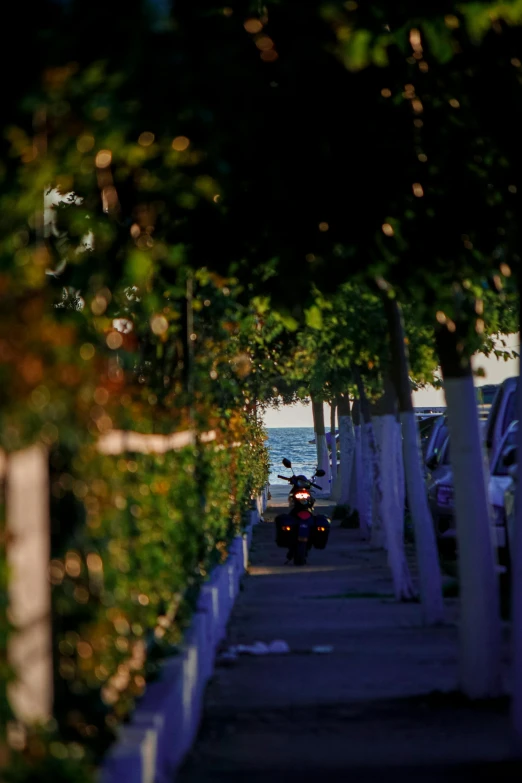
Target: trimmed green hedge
133	538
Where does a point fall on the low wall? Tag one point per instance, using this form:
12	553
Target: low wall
165	723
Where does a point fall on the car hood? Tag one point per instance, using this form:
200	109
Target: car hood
497	485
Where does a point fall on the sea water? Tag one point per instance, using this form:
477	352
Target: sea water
294	443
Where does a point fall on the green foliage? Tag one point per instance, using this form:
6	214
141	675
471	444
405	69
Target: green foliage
237	244
134	537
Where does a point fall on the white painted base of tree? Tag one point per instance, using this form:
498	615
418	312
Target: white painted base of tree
359	480
333	456
392	512
28	525
323	462
353	497
399	466
515	543
516	609
336	491
480	637
347	447
367	439
375	440
430	582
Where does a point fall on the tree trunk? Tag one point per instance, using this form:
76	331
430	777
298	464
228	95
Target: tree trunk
333	442
375	436
347	444
425	543
371	465
392	512
480	649
323	459
516	583
359	471
367	451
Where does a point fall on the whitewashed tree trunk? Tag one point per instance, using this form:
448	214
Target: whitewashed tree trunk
359	477
516	592
367	439
399	463
375	441
480	648
430	583
323	457
353	497
425	544
333	443
347	444
323	462
28	527
392	512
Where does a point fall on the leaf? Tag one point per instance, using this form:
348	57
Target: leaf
139	266
314	317
288	321
356	51
380	53
439	39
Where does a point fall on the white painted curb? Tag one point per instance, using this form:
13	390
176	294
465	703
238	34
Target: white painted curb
166	721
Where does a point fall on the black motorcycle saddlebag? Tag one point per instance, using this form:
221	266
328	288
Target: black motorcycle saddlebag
285	531
321	531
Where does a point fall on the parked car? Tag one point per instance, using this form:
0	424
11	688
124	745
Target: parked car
485	396
440	497
499	481
510	457
501	414
435	440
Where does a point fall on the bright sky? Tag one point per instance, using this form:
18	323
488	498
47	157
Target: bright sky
496	370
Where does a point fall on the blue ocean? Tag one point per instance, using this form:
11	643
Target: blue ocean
291	442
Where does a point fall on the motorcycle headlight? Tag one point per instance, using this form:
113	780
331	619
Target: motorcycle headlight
302	495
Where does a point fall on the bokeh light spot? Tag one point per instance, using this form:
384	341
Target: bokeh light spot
180	143
103	159
87	351
146	139
253	26
114	340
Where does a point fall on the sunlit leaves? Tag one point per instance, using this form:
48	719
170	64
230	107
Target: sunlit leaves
314	317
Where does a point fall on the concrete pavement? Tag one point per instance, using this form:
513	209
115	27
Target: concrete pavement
381	698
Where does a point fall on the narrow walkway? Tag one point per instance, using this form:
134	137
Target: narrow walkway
357	708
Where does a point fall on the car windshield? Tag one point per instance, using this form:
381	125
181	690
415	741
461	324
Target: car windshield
426	426
510	440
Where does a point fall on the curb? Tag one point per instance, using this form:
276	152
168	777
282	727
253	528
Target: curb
165	723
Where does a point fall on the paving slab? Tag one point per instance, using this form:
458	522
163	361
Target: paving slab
382	698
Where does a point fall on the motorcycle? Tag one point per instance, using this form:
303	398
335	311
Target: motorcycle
300	529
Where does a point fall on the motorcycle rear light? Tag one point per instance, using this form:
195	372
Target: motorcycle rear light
287	527
321	528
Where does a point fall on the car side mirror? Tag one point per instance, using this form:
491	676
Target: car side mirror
287	463
509	457
319	473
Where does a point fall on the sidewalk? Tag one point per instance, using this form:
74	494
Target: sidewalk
356	711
